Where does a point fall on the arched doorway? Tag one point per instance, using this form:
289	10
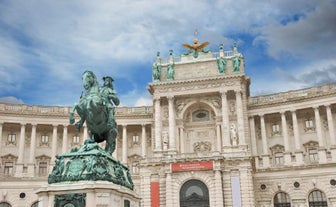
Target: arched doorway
194	193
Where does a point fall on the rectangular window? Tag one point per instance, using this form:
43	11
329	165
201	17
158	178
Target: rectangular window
278	158
43	168
309	124
44	139
313	155
275	128
8	168
75	139
135	138
11	138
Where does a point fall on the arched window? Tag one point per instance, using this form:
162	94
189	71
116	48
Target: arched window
194	193
4	204
317	199
35	204
281	199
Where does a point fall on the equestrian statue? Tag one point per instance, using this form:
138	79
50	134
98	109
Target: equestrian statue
96	107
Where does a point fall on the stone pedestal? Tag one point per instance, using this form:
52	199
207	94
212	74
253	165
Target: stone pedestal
86	194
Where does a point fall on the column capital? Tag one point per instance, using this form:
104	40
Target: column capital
327	105
34	124
293	111
238	92
124	125
282	112
316	108
23	123
251	116
65	125
156	98
261	115
170	97
55	125
223	92
143	124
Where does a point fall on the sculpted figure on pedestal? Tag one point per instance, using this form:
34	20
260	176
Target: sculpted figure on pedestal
96	108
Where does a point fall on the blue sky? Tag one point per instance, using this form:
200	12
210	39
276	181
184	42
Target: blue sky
47	45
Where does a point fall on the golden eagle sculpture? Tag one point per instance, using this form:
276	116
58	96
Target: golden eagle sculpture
195	48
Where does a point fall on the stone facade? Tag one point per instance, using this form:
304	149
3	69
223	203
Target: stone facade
204	140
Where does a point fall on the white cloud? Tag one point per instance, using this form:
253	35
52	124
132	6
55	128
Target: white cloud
10	100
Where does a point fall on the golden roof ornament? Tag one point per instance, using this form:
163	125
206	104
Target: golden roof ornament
196	48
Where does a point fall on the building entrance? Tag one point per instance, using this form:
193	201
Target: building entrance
194	193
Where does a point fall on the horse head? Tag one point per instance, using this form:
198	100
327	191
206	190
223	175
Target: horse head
90	81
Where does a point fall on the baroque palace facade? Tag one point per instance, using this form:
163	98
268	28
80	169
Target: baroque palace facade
204	142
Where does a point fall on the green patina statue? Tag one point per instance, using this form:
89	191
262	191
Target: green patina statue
170	71
90	161
236	63
97	110
221	64
156	68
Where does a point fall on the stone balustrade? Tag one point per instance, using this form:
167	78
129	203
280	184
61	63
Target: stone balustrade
293	95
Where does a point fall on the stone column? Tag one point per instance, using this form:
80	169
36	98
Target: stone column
31	165
219	188
181	139
1	124
157	117
124	145
225	120
321	151
240	118
65	139
253	136
20	162
145	190
54	144
169	191
331	126
22	143
143	141
331	133
263	134
287	156
265	155
172	145
298	152
218	137
318	126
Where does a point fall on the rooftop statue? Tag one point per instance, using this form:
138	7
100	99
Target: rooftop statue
96	107
196	48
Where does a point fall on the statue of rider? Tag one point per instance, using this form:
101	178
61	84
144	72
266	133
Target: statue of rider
110	99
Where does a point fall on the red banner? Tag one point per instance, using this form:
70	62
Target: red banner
186	166
155	194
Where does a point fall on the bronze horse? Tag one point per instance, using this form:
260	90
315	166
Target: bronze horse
91	108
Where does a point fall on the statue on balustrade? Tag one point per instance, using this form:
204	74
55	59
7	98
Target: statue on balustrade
236	63
156	69
221	64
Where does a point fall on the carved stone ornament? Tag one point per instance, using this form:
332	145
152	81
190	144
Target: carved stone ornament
202	146
70	200
89	162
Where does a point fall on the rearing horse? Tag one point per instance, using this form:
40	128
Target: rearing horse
92	110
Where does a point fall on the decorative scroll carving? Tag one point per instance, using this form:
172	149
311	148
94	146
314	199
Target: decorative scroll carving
202	146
